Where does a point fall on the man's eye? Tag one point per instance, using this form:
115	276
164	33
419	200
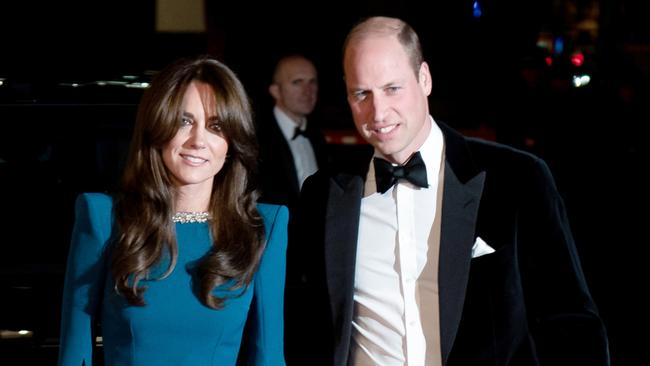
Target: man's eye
392	89
359	95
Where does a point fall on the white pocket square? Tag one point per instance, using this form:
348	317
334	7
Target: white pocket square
481	248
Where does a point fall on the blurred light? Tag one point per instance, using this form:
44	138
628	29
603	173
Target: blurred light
142	85
476	9
2	81
548	60
114	83
129	77
578	59
581	80
558	46
545	41
15	334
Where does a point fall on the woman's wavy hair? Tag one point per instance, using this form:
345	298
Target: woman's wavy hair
145	233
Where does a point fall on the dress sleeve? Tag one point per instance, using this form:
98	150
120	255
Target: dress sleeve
84	278
267	346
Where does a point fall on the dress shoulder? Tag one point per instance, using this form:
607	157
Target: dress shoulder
273	215
98	201
276	219
95	211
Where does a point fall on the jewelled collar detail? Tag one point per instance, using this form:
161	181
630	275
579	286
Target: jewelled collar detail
186	217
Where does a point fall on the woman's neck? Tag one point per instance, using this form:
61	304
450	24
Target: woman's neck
192	199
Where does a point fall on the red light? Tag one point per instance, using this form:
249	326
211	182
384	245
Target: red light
549	60
578	59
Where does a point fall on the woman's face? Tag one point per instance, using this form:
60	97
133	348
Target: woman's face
198	150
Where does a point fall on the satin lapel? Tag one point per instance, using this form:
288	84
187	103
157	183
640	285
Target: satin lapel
460	205
341	231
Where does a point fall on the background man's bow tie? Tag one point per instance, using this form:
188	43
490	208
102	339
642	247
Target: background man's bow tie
299	132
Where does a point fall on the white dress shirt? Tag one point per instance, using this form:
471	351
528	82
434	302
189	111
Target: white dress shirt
395	291
304	158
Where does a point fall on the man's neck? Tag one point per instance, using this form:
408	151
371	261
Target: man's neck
299	120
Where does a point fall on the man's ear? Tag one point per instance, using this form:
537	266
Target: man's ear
274	90
425	78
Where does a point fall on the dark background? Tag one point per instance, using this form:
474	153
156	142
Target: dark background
57	140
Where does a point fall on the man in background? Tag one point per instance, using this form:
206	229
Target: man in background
291	149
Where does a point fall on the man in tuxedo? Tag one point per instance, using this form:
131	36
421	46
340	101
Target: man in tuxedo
442	249
291	148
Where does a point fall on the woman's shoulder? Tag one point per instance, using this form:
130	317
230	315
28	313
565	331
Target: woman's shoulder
96	200
95	208
276	219
94	203
273	213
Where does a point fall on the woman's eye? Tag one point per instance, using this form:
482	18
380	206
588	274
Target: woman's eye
185	121
215	126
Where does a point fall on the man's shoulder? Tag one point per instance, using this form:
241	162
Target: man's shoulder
267	130
506	163
484	151
265	119
325	178
480	143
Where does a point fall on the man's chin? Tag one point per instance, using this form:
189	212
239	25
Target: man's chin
385	148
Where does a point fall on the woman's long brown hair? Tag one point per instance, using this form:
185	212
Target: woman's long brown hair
145	233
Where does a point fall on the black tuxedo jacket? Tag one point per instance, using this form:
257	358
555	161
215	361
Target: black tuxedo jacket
525	304
277	171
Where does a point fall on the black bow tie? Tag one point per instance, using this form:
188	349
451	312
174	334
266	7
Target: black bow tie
299	132
387	174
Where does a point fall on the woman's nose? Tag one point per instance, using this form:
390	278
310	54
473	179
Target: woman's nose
197	138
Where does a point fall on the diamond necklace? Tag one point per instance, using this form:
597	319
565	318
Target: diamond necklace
186	217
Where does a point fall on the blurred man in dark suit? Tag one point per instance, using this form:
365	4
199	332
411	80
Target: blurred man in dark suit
291	149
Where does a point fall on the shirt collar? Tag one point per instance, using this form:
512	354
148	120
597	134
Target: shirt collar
431	151
286	124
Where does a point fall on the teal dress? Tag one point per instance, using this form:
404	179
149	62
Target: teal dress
174	327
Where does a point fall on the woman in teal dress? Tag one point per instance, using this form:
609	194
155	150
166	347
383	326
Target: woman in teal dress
170	269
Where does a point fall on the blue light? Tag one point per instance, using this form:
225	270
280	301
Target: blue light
476	9
558	46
